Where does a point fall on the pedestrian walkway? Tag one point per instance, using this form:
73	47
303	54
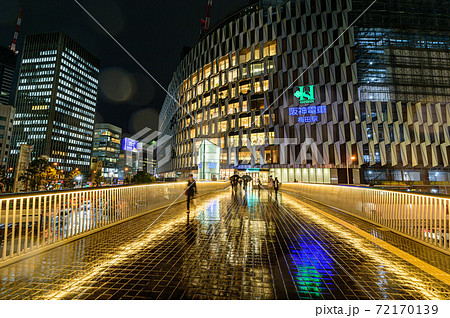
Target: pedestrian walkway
243	246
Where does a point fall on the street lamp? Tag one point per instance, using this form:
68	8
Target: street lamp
350	159
125	175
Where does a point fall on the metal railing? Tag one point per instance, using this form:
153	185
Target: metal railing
420	216
29	222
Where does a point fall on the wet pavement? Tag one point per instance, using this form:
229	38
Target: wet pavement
244	246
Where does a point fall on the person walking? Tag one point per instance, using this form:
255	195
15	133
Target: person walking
190	191
234	183
270	184
276	186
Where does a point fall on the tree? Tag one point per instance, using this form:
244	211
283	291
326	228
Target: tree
39	174
70	178
5	181
142	177
97	178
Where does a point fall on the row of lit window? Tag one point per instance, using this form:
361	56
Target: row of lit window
86	125
244	122
38	94
73	108
85	85
82	92
109	149
36	80
71	134
43	66
71	141
223	63
80	71
79	149
223	126
41	136
31	115
256	69
215	112
106	133
39	107
37	74
79	97
30	122
242	89
34	87
74	75
254	139
72	114
70	127
34	129
81	65
75	55
39	60
70	161
59	153
50	52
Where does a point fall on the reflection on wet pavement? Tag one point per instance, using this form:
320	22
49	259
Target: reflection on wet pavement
244	246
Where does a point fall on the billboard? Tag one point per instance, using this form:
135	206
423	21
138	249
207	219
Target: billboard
129	144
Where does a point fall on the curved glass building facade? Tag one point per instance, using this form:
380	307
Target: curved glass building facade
299	91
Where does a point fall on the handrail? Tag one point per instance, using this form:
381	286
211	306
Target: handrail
31	193
422	217
36	221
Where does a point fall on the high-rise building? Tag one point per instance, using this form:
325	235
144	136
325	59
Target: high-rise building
56	100
6	126
7	65
300	92
106	148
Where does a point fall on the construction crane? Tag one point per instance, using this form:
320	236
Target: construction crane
205	23
16	34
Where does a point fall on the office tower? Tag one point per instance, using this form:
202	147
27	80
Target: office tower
7	65
106	148
6	125
300	92
55	101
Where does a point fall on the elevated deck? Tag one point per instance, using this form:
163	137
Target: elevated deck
248	245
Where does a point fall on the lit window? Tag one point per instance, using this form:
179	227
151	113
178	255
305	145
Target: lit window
222	126
244	88
257	68
207	71
215	81
224	63
233	75
245	55
232	107
270	49
244	122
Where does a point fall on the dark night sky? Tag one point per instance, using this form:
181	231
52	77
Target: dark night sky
153	31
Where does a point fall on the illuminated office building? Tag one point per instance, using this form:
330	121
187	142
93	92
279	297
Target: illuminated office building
7	65
264	87
6	126
106	148
55	101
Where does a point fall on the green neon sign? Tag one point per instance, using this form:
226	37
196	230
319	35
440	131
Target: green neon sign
305	96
